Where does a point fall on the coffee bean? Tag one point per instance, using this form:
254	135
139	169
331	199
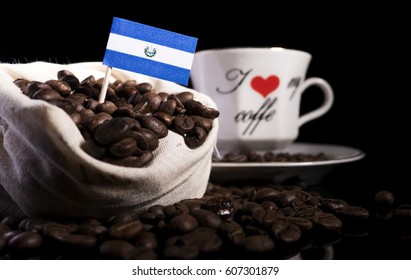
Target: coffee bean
353	212
118	249
207	218
26	240
183	223
332	204
126	230
285	231
124	147
327	221
383	200
257	243
79	240
61	86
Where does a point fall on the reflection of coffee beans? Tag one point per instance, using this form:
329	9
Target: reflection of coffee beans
269	156
126	128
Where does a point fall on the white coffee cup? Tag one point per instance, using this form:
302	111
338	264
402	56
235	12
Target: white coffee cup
258	93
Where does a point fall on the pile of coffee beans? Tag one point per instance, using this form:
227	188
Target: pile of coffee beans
250	155
249	221
127	127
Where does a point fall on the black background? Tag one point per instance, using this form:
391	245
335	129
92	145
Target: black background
363	52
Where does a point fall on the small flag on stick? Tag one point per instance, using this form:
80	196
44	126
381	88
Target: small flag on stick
150	51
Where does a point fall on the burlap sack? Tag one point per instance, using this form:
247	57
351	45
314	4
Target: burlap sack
46	172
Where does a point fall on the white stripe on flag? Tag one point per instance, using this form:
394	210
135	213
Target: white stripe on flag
136	47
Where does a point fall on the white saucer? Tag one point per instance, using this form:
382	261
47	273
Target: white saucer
310	172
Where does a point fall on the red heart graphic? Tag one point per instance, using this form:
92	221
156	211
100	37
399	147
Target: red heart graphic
265	86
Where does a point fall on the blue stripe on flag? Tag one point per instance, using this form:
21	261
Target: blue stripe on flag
154	35
147	67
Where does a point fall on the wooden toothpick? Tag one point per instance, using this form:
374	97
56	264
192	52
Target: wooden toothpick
104	87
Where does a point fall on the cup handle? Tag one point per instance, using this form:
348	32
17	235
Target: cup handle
325	106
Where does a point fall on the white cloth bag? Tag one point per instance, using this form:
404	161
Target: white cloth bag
46	172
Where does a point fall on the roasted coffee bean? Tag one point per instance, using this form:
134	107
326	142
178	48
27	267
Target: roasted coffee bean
204	123
154	124
46	94
403	211
88	81
144	87
289	198
118	249
184	96
183	124
270	216
22	84
204	240
88	91
26	240
195	138
131	161
269	205
98	119
32	224
67	105
183	223
352	212
34	86
265	194
327	221
71	80
285	231
332	204
303	223
124	147
79	240
383	200
112	130
233	157
92	229
146	240
193	203
164	117
197	108
62	73
168	106
153	100
175	209
207	218
125	230
232	230
61	86
107	107
127	91
257	243
56	230
146	139
181	252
